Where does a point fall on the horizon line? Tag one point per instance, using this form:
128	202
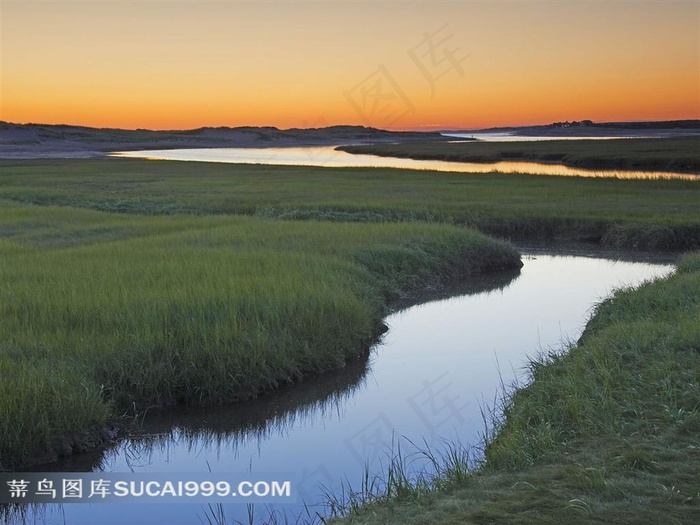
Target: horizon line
416	129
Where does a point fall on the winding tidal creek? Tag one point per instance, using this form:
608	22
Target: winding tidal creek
329	157
438	369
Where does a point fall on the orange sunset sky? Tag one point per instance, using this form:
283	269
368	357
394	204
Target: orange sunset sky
400	65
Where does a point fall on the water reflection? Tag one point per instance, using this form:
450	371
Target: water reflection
226	431
329	157
440	363
195	439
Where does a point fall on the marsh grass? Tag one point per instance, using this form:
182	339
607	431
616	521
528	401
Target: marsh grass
644	214
104	313
217	515
174	298
408	477
606	432
678	154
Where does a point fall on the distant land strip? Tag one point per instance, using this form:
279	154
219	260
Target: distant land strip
680	155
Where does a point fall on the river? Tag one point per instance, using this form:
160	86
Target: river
329	157
440	365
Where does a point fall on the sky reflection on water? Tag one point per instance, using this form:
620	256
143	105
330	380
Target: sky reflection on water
329	157
440	363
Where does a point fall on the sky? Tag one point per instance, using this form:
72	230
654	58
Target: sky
163	64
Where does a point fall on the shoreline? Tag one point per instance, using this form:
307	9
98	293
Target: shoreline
99	438
613	154
599	434
88	220
465	255
102	438
36	141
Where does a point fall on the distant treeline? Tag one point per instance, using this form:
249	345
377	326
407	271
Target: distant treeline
665	124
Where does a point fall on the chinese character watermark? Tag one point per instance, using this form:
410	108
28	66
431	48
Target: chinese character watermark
100	488
435	406
380	101
366	445
45	488
18	488
379	98
72	488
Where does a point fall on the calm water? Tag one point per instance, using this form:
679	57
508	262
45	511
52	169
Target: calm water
328	156
438	365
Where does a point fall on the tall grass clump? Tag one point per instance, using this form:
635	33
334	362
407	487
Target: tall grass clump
403	477
102	313
47	405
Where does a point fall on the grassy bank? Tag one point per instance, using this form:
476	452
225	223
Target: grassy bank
607	433
129	282
651	154
102	313
659	215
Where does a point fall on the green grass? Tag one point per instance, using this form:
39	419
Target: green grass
608	432
128	281
650	154
659	215
102	313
